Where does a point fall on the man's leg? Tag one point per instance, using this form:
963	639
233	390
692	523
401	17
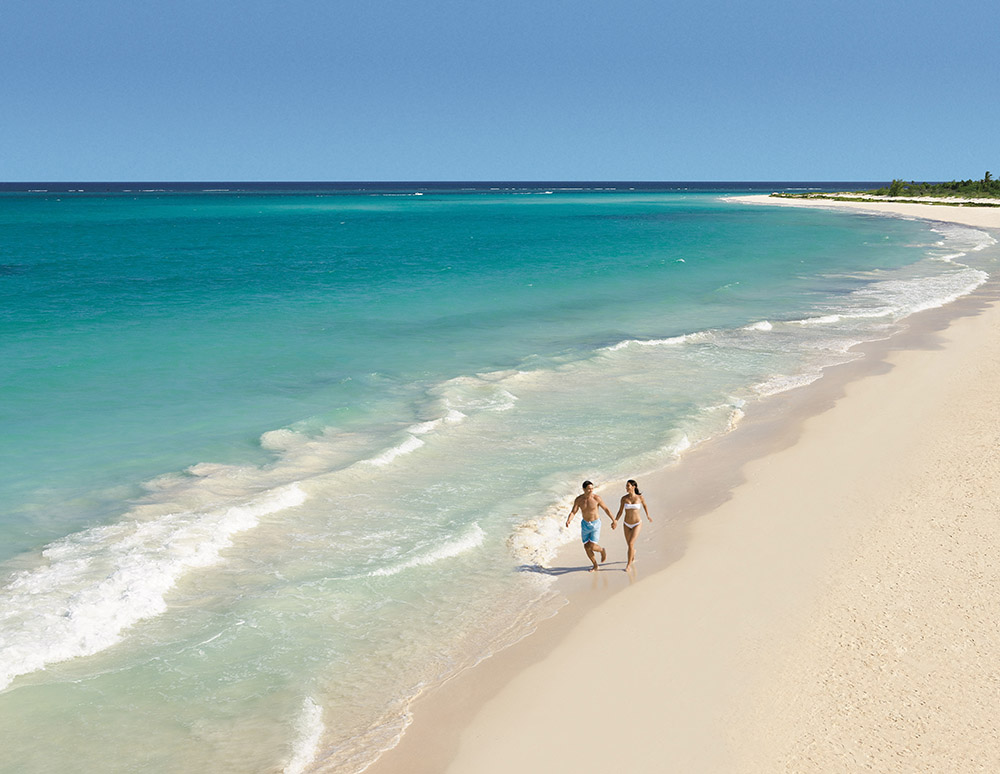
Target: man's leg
593	548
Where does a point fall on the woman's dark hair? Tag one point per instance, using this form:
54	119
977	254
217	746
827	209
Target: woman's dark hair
633	482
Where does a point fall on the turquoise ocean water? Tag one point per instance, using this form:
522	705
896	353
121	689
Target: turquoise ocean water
271	461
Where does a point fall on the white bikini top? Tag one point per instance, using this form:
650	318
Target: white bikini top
630	506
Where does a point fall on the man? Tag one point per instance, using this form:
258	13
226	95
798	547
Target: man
590	527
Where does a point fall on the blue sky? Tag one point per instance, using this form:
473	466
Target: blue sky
498	90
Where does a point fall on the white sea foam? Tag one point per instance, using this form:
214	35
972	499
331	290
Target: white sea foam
763	325
894	299
309	727
422	428
411	444
908	296
673	341
451	418
733	411
783	383
949	258
464	395
302	454
283	439
961	239
873	313
536	542
97	583
735	417
827	319
472	538
964	237
677	447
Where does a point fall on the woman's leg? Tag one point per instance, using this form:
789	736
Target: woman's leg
631	533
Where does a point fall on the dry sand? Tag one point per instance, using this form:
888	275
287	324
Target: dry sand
837	611
983	217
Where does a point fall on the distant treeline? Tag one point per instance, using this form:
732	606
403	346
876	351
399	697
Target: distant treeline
971	189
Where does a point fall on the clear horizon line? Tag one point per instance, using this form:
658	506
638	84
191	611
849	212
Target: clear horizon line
441	181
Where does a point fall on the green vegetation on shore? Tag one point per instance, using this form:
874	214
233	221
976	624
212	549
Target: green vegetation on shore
987	188
899	190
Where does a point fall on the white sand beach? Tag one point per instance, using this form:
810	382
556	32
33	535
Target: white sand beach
837	610
952	210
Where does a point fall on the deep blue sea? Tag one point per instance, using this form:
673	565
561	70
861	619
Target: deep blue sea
272	455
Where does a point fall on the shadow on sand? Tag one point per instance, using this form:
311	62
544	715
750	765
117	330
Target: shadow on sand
567	570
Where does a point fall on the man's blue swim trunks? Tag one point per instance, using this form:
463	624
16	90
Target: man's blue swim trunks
590	531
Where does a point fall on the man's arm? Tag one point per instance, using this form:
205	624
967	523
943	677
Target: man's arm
572	513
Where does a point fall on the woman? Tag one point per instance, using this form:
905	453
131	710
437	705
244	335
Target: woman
631	502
